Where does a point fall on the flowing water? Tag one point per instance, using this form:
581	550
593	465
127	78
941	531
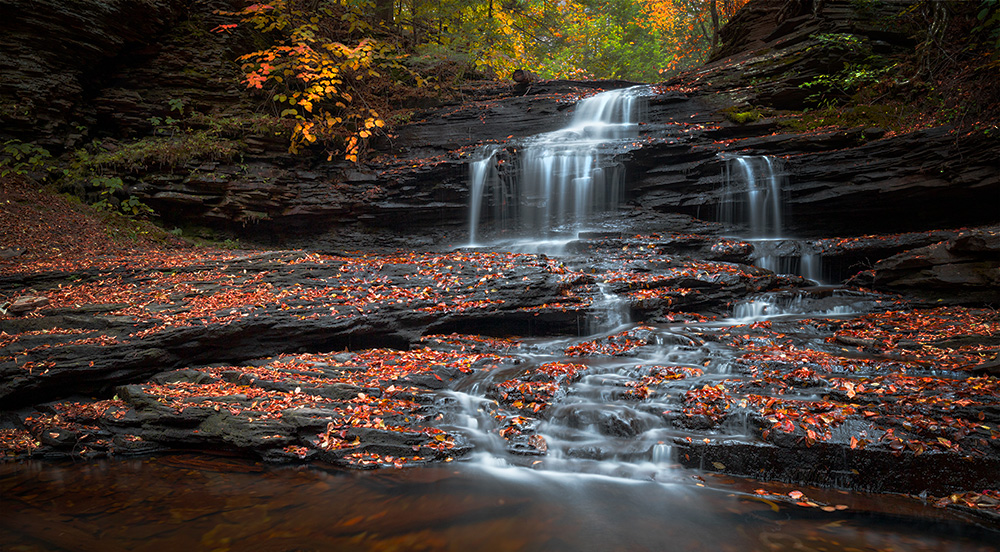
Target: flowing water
481	172
561	178
754	199
596	424
616	414
753	194
595	470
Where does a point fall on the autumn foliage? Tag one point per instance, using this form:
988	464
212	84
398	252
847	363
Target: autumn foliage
331	85
336	71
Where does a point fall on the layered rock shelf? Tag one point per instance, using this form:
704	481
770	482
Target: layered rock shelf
357	326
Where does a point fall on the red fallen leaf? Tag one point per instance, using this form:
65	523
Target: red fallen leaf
854	442
760	492
796	494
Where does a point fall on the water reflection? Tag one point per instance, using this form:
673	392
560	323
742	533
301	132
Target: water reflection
192	503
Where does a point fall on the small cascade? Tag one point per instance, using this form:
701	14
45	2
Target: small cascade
803	303
753	194
661	454
562	178
753	197
481	172
608	416
811	266
609	312
788	256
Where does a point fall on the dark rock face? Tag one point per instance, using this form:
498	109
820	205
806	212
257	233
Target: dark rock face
388	304
54	51
963	269
910	182
847	182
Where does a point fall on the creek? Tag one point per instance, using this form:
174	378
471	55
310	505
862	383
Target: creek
181	502
576	438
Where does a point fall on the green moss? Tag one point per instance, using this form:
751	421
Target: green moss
742	116
240	125
167	151
886	116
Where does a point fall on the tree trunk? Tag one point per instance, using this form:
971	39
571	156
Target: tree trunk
715	23
384	11
415	9
523	76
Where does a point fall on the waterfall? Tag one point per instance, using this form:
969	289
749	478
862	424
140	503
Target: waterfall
481	171
799	303
753	198
562	178
609	312
753	194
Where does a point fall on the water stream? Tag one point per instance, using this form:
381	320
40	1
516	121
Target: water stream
179	502
606	416
754	198
618	415
562	178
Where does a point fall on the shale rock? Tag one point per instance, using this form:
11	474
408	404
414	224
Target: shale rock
962	270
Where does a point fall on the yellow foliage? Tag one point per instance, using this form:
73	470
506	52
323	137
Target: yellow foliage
325	81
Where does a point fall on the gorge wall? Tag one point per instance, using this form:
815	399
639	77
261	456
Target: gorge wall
79	74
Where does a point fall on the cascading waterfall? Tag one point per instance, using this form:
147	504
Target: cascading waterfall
561	178
481	172
546	186
800	303
610	311
753	197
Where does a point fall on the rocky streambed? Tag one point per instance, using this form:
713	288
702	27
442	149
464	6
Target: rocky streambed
624	356
670	341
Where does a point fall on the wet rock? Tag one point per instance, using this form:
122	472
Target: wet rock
514	298
25	304
877	471
58	438
961	270
612	423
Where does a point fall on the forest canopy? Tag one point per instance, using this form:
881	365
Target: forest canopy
334	67
629	39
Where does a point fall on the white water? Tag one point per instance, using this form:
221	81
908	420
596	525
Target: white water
610	420
753	198
610	311
801	303
596	423
563	177
753	195
481	171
